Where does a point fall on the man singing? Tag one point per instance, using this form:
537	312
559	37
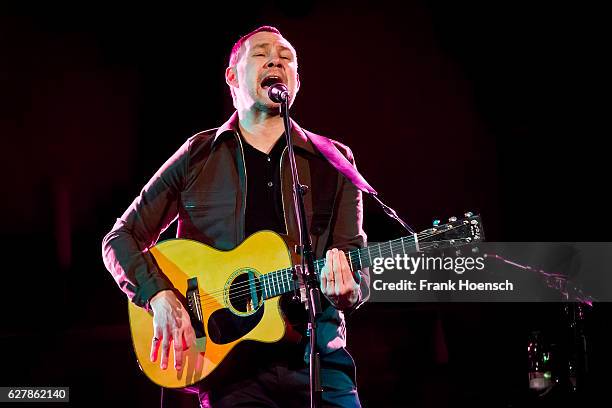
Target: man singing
226	184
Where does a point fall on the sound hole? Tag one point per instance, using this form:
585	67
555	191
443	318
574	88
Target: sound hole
244	296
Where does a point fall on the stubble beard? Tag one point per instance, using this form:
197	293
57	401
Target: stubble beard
267	108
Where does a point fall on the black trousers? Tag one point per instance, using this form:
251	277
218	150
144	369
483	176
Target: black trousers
277	376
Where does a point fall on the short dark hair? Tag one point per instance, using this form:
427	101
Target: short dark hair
236	48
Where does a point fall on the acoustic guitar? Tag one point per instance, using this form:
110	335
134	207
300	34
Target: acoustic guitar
233	296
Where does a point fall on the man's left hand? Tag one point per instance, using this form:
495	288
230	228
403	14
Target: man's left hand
337	281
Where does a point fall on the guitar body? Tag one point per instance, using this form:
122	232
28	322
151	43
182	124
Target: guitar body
231	304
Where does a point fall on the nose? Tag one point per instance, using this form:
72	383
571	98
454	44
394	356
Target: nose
274	62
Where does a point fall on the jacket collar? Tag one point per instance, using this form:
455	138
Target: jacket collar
297	133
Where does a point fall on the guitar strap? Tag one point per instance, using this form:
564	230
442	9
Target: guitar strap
323	191
341	163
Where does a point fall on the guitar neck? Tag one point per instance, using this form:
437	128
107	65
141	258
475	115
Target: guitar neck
456	232
364	257
279	282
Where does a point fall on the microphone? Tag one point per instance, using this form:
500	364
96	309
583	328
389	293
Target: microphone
278	92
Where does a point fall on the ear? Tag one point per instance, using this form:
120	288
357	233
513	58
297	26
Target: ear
231	77
298	84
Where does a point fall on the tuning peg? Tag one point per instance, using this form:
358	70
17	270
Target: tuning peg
436	223
469	214
452	219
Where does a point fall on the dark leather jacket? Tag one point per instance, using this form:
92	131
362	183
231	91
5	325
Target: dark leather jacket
203	185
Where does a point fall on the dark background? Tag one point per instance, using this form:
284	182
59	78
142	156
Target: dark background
448	107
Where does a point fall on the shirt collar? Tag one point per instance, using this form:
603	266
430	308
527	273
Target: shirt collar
298	135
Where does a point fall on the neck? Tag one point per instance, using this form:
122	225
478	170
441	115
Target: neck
260	129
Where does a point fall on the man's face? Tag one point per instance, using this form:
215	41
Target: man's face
263	56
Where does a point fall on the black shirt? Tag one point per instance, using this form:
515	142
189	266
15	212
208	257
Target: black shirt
264	205
264	210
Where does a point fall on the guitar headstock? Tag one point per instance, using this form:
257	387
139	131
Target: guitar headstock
457	232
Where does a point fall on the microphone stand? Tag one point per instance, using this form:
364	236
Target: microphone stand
306	268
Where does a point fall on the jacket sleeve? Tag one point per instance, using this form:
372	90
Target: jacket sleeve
125	249
347	225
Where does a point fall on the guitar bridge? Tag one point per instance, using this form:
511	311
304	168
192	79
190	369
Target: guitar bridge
195	307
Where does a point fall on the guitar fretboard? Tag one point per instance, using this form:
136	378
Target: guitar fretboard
281	281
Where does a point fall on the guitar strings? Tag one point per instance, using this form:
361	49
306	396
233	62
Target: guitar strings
351	258
244	289
287	279
257	285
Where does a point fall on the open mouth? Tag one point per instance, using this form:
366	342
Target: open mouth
271	80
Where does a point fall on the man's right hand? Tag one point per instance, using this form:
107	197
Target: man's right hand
171	323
